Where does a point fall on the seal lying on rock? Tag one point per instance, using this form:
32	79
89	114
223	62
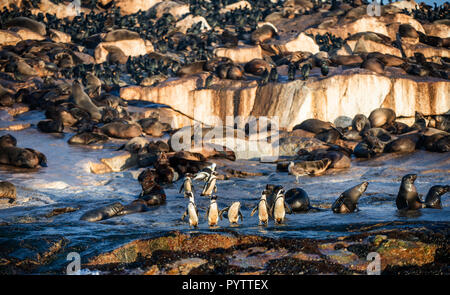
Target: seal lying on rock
348	200
84	102
20	157
122	130
87	138
102	213
381	116
7	192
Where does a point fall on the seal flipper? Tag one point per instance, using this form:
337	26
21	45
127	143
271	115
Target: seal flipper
336	207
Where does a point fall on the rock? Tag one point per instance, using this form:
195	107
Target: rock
61	10
295	101
438	30
409	5
121	162
426	50
134	46
184	266
301	42
239	54
190	20
256	257
26	34
133	6
175	8
396	252
9	38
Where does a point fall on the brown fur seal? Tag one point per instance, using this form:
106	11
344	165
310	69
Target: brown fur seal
308	167
191	69
298	200
20	157
338	159
346	60
257	66
360	123
116	55
348	200
120	34
122	130
407	197
314	125
406	30
87	138
7	192
387	59
102	213
264	33
433	198
153	127
374	65
381	116
28	23
84	102
403	144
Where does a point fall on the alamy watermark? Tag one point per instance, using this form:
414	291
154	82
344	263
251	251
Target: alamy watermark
374	267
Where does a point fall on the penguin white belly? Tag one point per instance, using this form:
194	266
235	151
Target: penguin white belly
279	211
262	212
233	212
213	216
193	218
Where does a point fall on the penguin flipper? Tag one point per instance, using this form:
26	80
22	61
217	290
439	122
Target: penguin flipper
269	211
215	188
184	215
240	215
207	213
254	211
287	208
222	211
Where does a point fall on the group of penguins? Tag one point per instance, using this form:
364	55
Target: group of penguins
275	202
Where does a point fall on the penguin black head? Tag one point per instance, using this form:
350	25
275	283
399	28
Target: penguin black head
213	197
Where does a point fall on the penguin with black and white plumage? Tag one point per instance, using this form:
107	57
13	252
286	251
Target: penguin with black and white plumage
233	212
191	210
212	213
263	209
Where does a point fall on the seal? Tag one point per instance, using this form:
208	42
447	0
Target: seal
136	206
27	23
212	213
122	130
10	154
374	65
280	207
191	210
102	213
339	160
7	192
346	60
135	145
308	167
314	125
51	126
120	34
381	116
348	200
404	144
407	197
257	66
233	212
86	138
360	123
84	102
298	200
433	198
265	32
263	209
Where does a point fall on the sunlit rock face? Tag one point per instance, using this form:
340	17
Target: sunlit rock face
133	6
342	93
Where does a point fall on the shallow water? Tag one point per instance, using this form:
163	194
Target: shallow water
67	182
